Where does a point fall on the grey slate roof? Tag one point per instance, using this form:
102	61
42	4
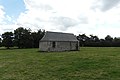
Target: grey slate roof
58	36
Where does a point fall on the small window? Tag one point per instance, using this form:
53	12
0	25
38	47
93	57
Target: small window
53	44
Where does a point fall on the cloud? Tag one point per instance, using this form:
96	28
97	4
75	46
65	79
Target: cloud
2	17
2	14
5	21
33	4
109	4
55	14
75	16
105	5
63	22
83	20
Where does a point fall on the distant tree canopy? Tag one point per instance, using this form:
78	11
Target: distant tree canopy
36	37
22	38
7	39
94	41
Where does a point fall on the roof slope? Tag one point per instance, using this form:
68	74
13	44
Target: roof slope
58	36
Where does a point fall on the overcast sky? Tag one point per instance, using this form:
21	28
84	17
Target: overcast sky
97	17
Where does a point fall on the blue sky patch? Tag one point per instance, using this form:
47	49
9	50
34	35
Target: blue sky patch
13	8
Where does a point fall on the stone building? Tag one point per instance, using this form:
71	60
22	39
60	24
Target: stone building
57	41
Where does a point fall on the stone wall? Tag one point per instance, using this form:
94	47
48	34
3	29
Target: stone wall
58	46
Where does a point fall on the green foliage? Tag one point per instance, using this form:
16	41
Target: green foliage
108	38
7	39
24	38
0	42
94	41
37	36
86	64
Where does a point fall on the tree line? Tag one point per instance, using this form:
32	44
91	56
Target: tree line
25	38
21	38
94	41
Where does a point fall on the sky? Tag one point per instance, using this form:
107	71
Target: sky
97	17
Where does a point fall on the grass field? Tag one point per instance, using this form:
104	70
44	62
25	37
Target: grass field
86	64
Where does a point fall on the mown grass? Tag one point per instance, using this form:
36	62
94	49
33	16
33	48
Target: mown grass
86	64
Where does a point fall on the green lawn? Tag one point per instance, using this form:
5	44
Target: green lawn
86	64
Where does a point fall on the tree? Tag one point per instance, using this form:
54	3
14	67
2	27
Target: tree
116	42
7	39
108	41
94	38
108	38
18	37
94	41
37	36
0	42
83	39
23	38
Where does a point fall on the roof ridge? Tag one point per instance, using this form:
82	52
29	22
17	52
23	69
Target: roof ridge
59	32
